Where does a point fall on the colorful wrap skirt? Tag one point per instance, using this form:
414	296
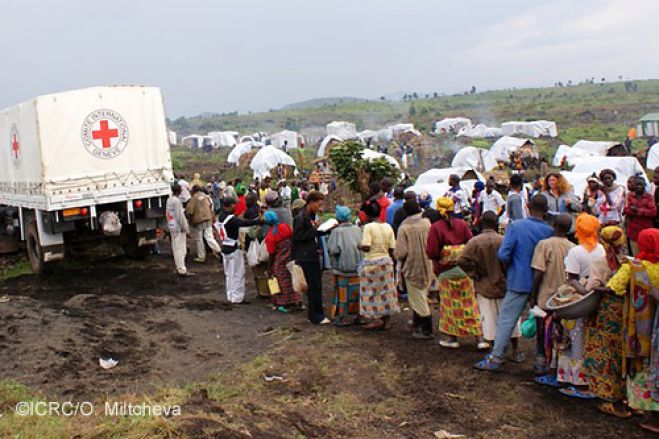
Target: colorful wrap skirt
377	289
346	296
458	310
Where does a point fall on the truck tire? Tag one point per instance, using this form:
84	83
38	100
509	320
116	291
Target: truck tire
129	241
34	250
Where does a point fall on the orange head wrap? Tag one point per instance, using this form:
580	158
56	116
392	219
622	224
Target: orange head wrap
587	228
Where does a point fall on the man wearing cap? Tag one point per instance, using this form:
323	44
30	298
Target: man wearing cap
459	197
228	226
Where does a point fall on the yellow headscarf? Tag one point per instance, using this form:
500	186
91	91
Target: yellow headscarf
444	206
587	227
613	239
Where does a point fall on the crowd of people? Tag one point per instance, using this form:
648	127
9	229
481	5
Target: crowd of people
482	259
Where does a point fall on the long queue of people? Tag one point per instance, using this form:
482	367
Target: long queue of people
482	260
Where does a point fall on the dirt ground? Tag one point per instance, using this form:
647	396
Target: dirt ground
172	332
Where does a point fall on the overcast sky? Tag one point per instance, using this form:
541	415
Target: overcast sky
221	56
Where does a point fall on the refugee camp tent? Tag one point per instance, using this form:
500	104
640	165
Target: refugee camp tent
385	135
572	155
649	125
342	130
242	148
451	125
441	175
401	128
537	128
624	167
369	154
367	135
327	142
277	139
193	141
267	159
502	148
653	157
479	131
223	139
476	158
438	190
600	148
173	138
246	139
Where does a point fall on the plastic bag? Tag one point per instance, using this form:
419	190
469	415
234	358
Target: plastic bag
253	254
273	286
297	278
264	256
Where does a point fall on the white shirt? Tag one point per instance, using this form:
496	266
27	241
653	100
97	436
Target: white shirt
579	260
460	200
491	202
285	193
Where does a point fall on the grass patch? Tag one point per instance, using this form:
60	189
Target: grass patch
18	269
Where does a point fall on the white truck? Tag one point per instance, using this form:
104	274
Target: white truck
84	165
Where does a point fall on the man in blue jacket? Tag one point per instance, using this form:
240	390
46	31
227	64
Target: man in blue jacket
516	252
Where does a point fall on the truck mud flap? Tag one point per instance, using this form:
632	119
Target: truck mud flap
53	253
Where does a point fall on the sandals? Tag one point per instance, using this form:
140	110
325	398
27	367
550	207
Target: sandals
489	364
573	392
548	380
280	309
609	408
518	357
449	344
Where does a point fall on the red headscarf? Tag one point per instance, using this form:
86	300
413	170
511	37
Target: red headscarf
648	245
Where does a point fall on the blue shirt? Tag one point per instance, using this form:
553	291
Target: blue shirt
516	251
391	211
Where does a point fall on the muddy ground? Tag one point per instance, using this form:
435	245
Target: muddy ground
168	331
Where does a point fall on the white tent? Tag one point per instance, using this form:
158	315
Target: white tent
367	135
326	141
441	175
342	130
624	167
193	141
600	148
573	155
653	156
173	138
472	157
536	128
369	154
223	139
438	190
277	139
451	124
506	145
479	131
385	135
240	149
267	159
401	128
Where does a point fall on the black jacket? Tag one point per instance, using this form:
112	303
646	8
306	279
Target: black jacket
305	245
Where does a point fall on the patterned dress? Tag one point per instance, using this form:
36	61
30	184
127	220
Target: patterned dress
377	291
280	245
638	281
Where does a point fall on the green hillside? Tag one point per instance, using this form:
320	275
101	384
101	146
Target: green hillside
322	102
595	111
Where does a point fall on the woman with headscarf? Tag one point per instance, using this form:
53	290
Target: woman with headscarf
241	205
278	243
592	194
609	208
577	267
603	345
378	298
459	315
343	247
638	282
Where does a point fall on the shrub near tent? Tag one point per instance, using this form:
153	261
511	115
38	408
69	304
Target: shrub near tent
355	170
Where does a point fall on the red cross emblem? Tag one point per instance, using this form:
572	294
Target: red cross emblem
15	145
105	134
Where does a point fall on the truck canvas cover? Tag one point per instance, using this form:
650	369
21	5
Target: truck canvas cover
84	147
